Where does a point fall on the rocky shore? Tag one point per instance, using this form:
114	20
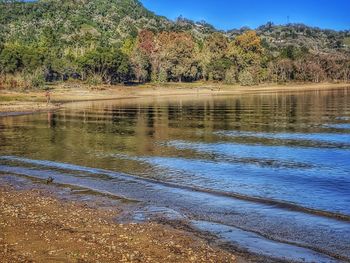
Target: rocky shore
36	226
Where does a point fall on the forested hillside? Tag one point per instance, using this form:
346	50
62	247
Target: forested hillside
115	41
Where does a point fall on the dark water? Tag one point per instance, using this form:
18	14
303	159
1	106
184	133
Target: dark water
268	174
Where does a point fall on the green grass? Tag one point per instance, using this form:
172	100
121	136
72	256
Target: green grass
24	97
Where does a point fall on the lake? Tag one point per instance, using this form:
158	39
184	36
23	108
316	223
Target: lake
266	173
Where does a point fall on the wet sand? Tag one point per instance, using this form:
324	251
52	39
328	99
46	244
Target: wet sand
39	226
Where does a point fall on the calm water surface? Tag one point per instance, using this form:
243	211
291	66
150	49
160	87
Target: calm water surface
270	169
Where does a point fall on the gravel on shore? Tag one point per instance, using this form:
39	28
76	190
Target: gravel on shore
36	226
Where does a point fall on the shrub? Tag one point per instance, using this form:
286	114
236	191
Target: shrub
230	76
13	81
246	78
94	80
34	80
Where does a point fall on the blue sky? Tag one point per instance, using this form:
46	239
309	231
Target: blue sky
228	14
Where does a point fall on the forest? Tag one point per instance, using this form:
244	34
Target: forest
109	42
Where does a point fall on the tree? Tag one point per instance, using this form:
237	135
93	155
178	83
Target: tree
315	72
143	55
141	66
146	42
216	45
128	46
218	68
10	59
300	67
247	54
32	59
293	53
249	42
175	55
281	70
111	65
183	64
214	50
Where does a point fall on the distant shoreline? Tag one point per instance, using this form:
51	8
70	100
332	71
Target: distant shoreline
14	103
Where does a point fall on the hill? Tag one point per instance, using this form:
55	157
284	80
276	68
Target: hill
300	35
120	40
72	21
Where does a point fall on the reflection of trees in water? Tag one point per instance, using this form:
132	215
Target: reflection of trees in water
150	117
255	112
3	137
277	112
106	129
51	119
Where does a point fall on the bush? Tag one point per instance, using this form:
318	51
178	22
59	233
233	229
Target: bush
13	81
230	76
246	78
35	80
94	80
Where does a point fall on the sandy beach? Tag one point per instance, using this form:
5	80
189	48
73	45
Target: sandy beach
16	102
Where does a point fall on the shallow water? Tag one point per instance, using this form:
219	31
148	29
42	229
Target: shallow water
272	168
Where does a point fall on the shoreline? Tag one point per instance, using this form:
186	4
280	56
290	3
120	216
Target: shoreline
42	225
13	103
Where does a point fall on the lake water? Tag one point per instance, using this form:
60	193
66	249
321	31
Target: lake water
268	173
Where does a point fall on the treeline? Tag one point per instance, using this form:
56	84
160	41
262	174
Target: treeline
103	41
169	56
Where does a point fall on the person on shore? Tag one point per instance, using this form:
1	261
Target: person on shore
48	97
